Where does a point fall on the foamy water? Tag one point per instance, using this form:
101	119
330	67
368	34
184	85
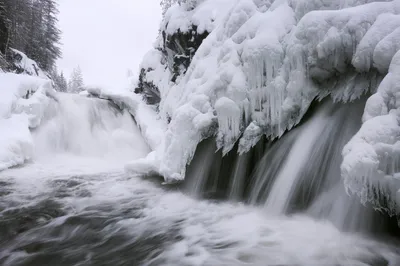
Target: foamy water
74	206
113	218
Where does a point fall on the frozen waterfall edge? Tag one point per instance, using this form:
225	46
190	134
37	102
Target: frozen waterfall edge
240	86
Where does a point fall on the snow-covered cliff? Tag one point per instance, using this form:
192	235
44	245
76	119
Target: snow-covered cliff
241	69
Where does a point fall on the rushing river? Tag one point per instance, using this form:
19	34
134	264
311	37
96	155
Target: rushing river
70	206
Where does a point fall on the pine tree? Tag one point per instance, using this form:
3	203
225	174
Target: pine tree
63	83
31	27
129	73
165	4
3	29
44	36
75	84
55	78
50	36
17	13
60	83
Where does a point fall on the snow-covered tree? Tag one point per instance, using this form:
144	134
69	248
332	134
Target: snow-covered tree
129	73
63	85
165	4
3	29
75	84
59	80
31	27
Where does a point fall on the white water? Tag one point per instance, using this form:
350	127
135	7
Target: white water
81	144
79	130
206	233
299	155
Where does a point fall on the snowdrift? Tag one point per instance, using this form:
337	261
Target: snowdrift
260	66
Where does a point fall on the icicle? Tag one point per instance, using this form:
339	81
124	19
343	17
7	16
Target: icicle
229	122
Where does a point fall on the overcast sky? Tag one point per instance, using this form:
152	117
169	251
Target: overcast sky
106	37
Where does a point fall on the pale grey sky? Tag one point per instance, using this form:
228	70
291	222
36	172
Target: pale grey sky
106	37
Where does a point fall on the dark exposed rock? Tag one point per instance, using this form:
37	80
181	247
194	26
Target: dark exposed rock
150	91
178	50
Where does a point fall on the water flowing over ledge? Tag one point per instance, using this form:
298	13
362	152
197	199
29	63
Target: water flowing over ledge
259	68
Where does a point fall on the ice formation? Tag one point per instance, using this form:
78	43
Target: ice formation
371	166
261	66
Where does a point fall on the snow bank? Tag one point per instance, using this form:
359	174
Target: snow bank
23	100
16	145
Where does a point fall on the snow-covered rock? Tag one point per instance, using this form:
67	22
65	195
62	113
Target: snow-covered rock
16	144
22	64
371	166
23	102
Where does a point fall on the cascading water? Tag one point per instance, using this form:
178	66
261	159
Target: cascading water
298	157
84	126
299	173
310	177
74	205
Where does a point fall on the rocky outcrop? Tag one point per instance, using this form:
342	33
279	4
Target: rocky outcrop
177	52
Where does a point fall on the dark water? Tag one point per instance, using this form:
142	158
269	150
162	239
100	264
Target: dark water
115	219
45	231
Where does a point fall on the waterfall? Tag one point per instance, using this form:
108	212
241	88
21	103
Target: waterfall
86	127
298	173
299	155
